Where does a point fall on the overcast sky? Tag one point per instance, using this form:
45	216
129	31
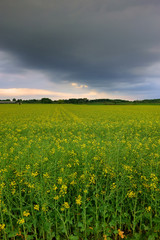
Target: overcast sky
80	48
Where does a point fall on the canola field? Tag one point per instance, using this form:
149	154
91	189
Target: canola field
78	172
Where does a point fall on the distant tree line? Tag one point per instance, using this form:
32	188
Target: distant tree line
82	101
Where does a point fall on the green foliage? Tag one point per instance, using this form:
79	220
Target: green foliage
79	172
46	100
87	101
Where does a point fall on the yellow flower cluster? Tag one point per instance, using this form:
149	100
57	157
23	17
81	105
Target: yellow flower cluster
148	209
2	227
79	200
36	207
26	213
34	174
66	205
131	194
21	221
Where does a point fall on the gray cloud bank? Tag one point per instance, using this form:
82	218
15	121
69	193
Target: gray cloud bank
106	44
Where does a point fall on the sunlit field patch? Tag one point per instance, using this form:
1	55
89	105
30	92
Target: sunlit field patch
79	172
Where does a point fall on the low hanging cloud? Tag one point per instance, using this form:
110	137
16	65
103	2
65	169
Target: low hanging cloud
24	92
78	86
27	93
103	44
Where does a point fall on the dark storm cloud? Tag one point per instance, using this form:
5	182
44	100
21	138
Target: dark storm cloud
96	42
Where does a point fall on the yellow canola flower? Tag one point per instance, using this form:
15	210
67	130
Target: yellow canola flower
2	185
44	208
60	180
4	210
27	166
78	200
31	185
127	168
154	178
148	209
26	213
13	183
2	227
73	182
153	186
21	221
34	174
63	189
92	179
56	197
103	192
55	187
46	175
13	191
36	207
131	194
66	205
113	186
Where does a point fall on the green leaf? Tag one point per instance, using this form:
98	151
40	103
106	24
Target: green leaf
80	224
30	237
153	236
12	234
53	234
72	237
